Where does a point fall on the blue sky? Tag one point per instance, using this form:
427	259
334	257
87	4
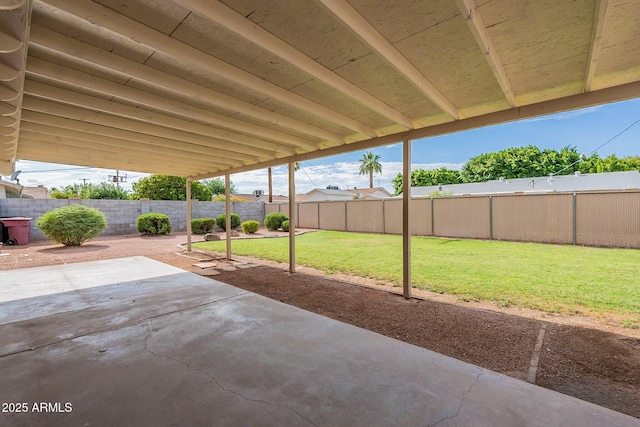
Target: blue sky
586	129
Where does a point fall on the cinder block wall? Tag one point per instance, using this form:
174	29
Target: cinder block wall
122	214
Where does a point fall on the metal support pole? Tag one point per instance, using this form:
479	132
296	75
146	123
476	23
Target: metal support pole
227	210
346	219
575	219
292	218
406	232
433	218
490	218
188	215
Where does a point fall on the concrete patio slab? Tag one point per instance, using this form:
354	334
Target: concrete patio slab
182	349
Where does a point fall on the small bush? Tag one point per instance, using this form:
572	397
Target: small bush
285	226
274	220
72	225
153	224
202	225
250	227
221	221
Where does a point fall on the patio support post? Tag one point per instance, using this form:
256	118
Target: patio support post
227	210
189	214
292	218
406	231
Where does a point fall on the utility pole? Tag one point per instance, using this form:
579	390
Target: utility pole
84	181
117	178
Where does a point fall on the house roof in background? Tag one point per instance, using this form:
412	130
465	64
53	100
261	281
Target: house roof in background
196	88
12	190
365	191
562	183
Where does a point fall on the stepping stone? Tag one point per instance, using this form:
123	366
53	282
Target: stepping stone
205	264
229	268
243	266
208	272
253	265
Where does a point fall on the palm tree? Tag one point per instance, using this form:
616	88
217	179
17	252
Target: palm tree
369	164
296	168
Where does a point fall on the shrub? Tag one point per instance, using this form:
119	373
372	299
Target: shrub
153	223
274	220
285	226
221	221
250	227
202	225
72	225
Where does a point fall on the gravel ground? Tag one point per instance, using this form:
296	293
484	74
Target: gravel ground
591	364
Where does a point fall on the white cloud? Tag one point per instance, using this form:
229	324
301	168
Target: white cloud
343	174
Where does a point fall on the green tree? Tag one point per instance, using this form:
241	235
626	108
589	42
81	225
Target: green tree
90	191
632	163
73	190
104	190
369	164
165	187
596	164
216	185
426	178
520	162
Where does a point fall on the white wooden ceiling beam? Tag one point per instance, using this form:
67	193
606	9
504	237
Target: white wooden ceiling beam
8	43
69	97
470	13
58	125
167	84
11	4
83	115
219	13
169	152
574	102
128	28
80	80
599	19
56	153
130	150
359	26
15	19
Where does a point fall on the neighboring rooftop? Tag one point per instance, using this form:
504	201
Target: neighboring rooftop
629	180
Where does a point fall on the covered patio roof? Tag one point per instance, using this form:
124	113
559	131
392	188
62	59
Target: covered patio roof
206	88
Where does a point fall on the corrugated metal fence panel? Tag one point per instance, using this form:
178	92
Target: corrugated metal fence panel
420	217
332	216
608	219
365	216
534	218
308	215
465	217
393	216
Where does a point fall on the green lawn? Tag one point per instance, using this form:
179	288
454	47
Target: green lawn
566	279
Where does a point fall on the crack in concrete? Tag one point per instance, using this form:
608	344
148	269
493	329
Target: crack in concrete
120	326
464	396
215	380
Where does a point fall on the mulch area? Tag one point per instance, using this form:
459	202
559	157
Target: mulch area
593	365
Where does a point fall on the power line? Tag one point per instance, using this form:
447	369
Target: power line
593	151
308	177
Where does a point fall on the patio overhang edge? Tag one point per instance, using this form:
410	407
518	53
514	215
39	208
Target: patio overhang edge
582	100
